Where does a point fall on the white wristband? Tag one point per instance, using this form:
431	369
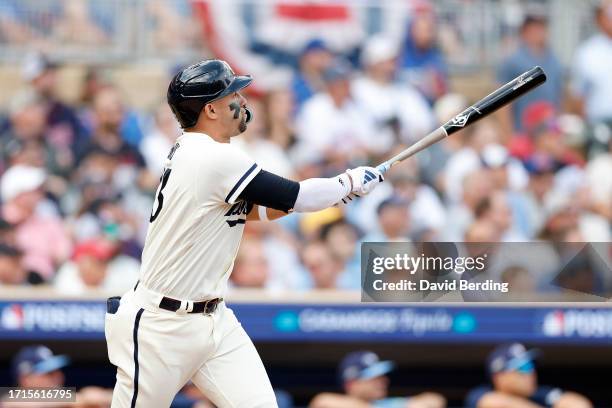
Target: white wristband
263	213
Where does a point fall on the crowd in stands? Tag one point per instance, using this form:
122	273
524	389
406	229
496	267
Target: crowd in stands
78	180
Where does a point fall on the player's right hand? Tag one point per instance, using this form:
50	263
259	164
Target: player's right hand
364	179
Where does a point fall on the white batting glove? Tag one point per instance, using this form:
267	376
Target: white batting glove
364	179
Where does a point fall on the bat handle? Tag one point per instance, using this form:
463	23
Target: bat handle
384	167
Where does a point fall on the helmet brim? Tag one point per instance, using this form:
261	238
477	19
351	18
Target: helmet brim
239	82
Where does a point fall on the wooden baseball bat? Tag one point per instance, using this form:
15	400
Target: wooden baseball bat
484	107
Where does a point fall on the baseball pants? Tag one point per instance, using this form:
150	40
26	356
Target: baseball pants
157	352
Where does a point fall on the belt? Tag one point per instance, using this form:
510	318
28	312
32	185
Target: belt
206	306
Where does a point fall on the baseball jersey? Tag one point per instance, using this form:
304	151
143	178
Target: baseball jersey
197	220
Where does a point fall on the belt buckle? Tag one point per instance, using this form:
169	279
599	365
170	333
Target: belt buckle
206	312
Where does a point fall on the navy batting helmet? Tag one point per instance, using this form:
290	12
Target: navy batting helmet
199	84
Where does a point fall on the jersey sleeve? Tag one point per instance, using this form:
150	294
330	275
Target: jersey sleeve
228	171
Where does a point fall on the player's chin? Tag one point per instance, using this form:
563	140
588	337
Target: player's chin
242	127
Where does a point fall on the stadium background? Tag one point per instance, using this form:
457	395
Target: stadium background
83	85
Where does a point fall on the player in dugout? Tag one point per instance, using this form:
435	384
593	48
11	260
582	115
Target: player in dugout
364	381
514	384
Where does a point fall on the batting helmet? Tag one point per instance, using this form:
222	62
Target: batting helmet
199	84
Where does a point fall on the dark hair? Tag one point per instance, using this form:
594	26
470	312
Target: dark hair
10	251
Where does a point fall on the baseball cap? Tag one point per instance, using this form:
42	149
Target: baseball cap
36	64
37	360
96	248
21	179
363	365
378	49
315	44
540	163
511	357
494	156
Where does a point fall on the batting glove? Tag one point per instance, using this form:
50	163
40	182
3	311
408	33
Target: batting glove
364	179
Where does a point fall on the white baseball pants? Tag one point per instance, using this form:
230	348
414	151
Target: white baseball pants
157	351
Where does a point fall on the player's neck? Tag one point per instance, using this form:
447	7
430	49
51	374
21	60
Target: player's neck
212	133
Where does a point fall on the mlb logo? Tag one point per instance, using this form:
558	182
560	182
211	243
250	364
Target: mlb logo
12	317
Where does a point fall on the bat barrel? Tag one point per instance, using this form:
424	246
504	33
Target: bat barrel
499	98
484	107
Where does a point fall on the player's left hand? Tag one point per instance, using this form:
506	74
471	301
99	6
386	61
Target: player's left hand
364	179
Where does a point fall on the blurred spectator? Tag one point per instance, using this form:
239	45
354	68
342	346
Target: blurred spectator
482	231
399	112
308	80
7	233
251	269
543	135
495	209
174	27
108	112
393	221
332	129
156	145
96	264
482	149
365	384
323	267
421	61
76	26
39	233
27	140
12	271
427	212
591	79
476	187
342	239
533	50
256	143
514	384
37	367
64	129
519	280
536	195
108	133
12	28
598	174
279	112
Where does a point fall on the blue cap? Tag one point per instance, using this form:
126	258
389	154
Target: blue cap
37	360
316	44
511	357
363	365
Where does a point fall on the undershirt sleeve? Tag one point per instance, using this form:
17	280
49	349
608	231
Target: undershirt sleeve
271	191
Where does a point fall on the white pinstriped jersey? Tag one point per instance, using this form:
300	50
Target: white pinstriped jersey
196	222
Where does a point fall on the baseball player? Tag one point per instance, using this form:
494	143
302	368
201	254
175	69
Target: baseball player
174	326
514	384
363	377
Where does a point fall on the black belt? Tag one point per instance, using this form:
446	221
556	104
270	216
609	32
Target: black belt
206	306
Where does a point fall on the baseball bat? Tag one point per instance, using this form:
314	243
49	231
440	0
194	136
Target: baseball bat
502	96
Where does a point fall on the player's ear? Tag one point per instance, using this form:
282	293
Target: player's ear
209	111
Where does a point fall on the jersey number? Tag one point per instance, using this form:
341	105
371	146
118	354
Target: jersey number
159	201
